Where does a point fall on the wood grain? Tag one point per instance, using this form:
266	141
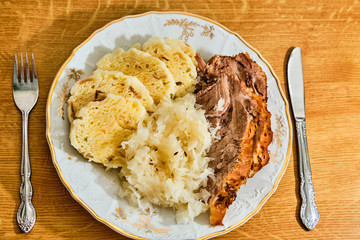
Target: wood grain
328	32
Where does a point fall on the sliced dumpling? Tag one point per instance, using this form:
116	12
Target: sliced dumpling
186	48
179	64
100	128
152	72
103	82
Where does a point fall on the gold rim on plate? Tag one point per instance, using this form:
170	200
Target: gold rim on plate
112	226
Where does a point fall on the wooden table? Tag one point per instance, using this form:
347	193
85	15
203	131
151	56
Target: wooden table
328	32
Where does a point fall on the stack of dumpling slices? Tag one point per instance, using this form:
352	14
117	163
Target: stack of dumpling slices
106	108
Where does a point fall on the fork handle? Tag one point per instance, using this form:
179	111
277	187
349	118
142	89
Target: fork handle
309	213
26	214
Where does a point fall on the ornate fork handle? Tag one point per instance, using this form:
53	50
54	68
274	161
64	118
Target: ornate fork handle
26	214
309	213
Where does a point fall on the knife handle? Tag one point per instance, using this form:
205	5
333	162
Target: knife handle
309	213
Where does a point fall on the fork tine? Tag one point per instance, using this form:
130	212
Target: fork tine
27	68
15	76
34	73
22	79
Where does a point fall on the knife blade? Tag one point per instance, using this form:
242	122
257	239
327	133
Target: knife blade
309	213
296	83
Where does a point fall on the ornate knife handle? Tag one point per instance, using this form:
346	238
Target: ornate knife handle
309	213
26	214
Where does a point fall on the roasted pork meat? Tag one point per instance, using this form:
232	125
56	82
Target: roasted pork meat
233	92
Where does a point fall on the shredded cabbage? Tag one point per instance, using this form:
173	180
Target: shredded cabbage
166	161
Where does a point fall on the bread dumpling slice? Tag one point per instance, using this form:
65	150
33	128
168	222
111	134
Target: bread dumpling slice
179	64
186	48
100	128
152	72
103	82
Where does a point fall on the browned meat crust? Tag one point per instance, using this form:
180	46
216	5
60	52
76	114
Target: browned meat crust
245	129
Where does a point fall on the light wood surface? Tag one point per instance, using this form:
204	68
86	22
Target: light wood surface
328	32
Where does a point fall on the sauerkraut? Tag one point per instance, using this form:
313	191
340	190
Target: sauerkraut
166	162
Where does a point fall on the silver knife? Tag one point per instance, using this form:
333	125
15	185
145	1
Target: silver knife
309	213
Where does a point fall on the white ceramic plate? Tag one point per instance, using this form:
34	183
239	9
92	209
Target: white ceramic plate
96	189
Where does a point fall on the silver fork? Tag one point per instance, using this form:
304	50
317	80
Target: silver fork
25	93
